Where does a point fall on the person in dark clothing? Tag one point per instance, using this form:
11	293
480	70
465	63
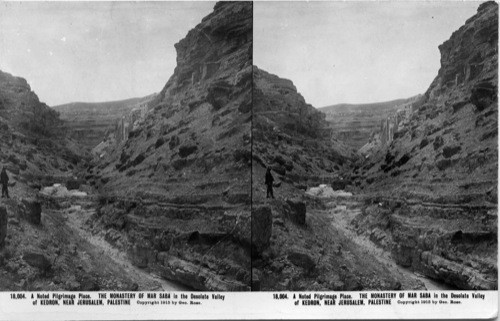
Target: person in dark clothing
269	183
4	179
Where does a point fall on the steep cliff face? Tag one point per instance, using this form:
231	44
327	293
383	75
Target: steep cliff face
21	107
90	123
33	137
439	175
290	135
178	189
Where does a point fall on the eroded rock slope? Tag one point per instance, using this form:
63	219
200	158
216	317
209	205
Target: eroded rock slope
35	151
33	136
290	135
295	243
434	188
176	193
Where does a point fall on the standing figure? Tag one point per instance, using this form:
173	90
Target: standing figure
269	183
4	179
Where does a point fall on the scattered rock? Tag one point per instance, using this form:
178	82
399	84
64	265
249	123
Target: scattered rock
438	142
302	260
186	150
281	170
31	211
37	260
159	142
255	281
326	191
134	287
72	285
296	211
338	185
174	142
142	254
13	221
58	190
351	284
449	151
301	186
88	283
424	142
74	184
459	105
484	94
443	164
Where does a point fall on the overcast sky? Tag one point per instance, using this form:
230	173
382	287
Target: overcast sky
355	52
94	51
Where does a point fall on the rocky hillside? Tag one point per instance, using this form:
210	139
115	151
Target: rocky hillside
356	124
89	123
33	136
295	247
390	126
436	183
291	135
175	194
36	152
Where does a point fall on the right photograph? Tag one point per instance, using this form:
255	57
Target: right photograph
375	146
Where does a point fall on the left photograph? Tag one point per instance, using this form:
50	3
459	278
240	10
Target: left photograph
125	146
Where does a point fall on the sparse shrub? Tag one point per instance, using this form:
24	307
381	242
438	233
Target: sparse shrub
424	142
186	150
159	142
134	133
449	151
174	142
242	154
443	164
137	160
438	142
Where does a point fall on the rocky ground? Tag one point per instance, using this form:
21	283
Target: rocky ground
321	251
50	246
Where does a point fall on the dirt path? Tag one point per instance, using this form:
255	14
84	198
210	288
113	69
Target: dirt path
102	256
340	213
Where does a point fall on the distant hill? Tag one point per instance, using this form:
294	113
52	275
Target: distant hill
89	122
380	106
353	123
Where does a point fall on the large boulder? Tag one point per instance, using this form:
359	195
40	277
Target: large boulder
37	260
3	226
142	254
262	228
255	280
338	184
302	260
31	211
296	211
74	183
